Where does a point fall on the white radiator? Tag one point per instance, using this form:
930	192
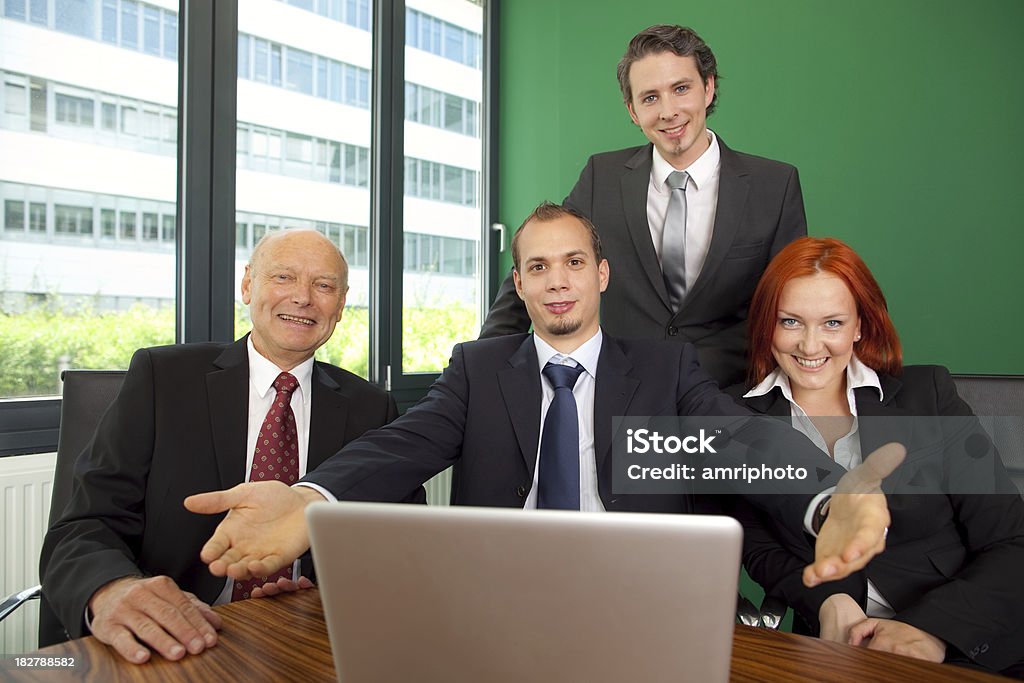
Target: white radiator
25	483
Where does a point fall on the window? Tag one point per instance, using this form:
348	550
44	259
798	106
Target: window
151	30
74	110
129	24
72	220
298	166
14	215
442	214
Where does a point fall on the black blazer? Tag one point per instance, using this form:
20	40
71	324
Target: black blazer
760	210
177	427
483	416
952	564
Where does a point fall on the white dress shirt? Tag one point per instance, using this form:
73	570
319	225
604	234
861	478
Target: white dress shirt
847	452
586	355
262	374
701	205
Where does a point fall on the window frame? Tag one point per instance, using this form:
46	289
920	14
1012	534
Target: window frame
205	227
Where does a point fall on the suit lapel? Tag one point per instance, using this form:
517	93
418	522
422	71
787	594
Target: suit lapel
772	403
520	388
227	389
612	395
327	420
634	184
883	421
733	188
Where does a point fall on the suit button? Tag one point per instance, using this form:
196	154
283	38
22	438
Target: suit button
521	491
673	330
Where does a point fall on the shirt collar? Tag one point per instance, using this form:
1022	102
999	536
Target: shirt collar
701	170
262	373
586	354
858	375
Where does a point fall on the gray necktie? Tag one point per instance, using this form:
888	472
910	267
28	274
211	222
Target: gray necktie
673	240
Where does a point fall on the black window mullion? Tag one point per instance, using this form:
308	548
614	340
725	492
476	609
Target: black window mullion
208	34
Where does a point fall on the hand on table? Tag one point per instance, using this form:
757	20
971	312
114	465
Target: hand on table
132	612
836	615
857	521
888	635
265	528
282	585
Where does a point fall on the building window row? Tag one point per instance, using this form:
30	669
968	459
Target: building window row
352	12
302	156
287	67
50	214
435	254
65	111
441	110
353	240
126	23
430	34
441	182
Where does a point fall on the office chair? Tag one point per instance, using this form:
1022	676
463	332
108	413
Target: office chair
87	395
999	396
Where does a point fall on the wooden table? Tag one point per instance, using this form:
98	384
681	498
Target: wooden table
245	653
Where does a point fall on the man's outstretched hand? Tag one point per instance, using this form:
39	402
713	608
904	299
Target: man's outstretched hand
857	521
265	528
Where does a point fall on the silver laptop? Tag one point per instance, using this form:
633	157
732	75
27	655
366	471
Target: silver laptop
414	593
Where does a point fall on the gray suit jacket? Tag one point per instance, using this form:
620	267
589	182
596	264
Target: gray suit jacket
760	210
177	427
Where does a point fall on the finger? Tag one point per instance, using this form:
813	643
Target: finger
267	590
862	631
148	631
216	551
305	582
125	644
168	627
212	502
210	615
184	621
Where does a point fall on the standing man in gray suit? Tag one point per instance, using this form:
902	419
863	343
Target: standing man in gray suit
685	267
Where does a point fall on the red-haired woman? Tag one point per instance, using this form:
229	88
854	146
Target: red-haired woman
948	586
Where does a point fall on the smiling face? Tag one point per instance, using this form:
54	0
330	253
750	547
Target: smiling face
295	287
669	103
560	279
815	332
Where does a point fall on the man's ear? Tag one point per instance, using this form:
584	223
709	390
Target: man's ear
247	286
518	283
632	113
603	273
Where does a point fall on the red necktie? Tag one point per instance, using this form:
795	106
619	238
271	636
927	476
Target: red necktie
276	457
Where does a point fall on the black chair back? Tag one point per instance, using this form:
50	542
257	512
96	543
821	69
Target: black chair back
87	395
999	396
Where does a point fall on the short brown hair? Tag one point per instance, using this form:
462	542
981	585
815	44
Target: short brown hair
547	212
678	40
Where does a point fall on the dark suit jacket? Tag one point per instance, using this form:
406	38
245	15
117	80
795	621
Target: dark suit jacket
760	210
483	416
177	427
952	563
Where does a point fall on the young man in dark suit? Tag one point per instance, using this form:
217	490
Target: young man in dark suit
187	419
691	282
485	413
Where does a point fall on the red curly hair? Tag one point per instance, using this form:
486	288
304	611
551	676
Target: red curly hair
879	346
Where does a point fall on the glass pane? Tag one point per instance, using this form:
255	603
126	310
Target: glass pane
443	219
303	147
87	180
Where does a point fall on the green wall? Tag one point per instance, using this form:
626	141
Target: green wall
904	117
